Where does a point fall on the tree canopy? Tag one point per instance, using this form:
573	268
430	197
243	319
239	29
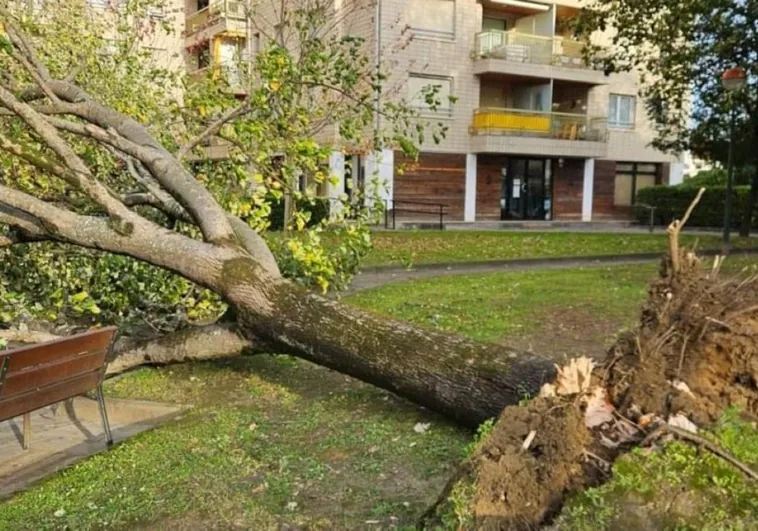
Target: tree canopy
278	114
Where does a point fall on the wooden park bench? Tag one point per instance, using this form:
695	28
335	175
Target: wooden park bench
47	373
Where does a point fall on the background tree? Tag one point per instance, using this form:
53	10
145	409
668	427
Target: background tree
680	48
75	158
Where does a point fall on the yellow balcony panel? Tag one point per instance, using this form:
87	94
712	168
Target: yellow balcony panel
519	122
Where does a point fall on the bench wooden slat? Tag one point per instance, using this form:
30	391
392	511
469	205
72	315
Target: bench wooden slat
19	404
25	357
40	376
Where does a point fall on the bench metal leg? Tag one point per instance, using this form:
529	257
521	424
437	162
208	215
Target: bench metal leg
104	415
27	430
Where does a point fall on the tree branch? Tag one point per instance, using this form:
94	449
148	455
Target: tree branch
213	128
79	174
138	238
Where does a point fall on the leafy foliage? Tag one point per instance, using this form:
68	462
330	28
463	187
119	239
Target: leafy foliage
306	86
672	202
680	49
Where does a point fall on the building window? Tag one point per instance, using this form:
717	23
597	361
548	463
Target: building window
621	111
203	55
434	18
630	179
419	95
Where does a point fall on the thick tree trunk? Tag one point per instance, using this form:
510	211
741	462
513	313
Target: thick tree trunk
462	379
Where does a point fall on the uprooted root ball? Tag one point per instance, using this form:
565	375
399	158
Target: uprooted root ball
696	352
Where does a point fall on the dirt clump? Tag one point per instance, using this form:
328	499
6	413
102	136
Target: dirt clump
519	474
696	352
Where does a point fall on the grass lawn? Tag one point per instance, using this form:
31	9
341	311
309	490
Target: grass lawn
273	442
427	247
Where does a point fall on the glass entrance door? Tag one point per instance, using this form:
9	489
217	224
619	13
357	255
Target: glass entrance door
527	190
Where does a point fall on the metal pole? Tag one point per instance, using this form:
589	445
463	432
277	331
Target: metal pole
394	215
104	415
652	219
729	185
442	216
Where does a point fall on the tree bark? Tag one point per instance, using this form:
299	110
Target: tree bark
465	380
194	344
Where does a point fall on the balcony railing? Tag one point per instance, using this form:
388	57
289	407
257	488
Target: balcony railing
218	9
560	126
233	72
527	48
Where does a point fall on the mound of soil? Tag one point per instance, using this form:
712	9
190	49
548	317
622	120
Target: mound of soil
695	354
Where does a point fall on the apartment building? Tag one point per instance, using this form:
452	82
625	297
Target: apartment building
534	133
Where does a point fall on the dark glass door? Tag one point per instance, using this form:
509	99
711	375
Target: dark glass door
527	190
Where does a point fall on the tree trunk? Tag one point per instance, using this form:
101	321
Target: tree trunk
465	380
194	344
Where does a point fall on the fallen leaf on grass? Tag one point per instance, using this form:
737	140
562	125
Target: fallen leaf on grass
422	427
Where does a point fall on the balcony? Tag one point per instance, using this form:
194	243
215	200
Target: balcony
233	73
539	133
515	53
221	16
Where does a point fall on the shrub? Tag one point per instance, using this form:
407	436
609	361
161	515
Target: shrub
318	207
671	202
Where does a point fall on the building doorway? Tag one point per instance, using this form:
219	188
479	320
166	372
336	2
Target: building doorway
527	190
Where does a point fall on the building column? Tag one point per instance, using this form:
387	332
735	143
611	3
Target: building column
588	194
380	170
335	185
337	174
470	201
676	174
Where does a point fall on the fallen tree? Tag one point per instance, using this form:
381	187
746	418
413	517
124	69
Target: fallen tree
694	355
465	380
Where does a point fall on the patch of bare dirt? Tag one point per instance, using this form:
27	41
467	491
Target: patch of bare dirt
696	352
568	332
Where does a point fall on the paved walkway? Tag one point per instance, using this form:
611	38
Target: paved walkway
67	433
381	276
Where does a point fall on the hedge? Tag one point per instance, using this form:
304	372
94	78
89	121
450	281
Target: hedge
318	207
671	202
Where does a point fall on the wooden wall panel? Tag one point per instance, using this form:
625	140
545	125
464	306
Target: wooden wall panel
605	186
568	189
489	186
434	178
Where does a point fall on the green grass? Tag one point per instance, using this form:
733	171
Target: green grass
680	488
426	247
265	433
274	441
494	306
